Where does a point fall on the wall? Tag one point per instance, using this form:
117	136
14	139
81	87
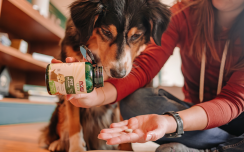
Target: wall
171	74
63	5
168	2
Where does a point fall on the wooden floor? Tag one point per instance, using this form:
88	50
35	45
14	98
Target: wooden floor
21	138
24	138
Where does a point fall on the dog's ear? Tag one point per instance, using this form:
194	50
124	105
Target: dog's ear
159	17
84	14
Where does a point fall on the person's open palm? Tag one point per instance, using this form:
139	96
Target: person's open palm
145	128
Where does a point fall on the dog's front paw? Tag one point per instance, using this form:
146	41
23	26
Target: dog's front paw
77	143
56	146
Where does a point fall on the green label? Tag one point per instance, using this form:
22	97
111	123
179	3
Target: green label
77	87
69	85
52	87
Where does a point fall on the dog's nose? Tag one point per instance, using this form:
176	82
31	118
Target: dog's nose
117	74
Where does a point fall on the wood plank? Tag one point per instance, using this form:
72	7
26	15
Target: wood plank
21	138
22	20
18	78
52	49
0	7
24	138
16	100
35	78
16	59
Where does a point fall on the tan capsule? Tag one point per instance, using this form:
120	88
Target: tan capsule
128	130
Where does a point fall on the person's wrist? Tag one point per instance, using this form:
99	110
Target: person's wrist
179	122
171	124
100	97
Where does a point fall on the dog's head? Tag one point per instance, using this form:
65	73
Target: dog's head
120	28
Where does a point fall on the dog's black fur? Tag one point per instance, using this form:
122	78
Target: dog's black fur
140	12
149	16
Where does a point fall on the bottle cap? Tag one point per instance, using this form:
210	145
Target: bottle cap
98	70
98	76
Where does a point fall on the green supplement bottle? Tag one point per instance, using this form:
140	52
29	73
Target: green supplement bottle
73	78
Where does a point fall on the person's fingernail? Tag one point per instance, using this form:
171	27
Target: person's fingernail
149	137
69	97
68	59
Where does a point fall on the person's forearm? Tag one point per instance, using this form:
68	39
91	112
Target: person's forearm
106	94
194	118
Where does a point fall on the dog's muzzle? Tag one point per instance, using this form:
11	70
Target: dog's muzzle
117	73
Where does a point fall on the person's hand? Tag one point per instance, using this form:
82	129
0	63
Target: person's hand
86	100
145	128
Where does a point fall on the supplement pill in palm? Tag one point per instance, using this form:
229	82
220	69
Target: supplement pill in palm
128	130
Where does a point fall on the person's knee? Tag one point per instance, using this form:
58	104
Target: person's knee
162	92
177	147
132	102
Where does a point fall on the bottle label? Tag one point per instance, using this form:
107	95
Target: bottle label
67	78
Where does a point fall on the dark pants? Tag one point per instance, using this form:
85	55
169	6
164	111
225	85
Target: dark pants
157	101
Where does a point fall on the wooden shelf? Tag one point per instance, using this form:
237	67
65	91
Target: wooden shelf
22	20
25	101
14	58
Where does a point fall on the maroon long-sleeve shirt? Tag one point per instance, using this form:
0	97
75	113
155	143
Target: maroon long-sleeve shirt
221	108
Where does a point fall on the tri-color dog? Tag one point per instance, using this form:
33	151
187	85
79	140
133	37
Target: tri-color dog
116	31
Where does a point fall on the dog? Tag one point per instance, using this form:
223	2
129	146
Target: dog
116	32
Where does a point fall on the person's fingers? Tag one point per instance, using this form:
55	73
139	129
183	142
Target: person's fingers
74	98
84	59
71	59
69	96
133	123
114	130
56	61
125	138
81	96
78	96
106	136
77	99
119	124
75	102
155	134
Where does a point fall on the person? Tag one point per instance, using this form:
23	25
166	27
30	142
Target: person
210	35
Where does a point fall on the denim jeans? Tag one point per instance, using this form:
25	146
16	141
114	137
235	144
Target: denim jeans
157	101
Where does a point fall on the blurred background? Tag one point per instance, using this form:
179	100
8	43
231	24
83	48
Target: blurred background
30	32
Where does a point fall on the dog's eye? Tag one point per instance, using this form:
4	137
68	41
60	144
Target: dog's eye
135	37
107	33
